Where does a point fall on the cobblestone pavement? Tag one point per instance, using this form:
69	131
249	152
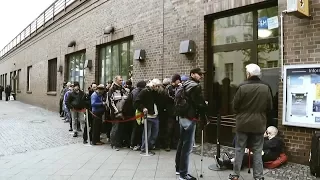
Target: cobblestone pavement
26	128
289	171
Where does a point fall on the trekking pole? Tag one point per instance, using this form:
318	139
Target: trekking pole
88	128
146	145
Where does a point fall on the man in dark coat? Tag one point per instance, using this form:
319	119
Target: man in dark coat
252	103
1	90
8	92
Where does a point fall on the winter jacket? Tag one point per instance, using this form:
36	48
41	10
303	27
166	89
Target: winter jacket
171	91
117	97
7	90
197	106
77	100
272	148
147	98
65	98
252	102
97	103
1	89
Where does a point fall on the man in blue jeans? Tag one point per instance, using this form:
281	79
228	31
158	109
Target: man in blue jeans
196	109
148	102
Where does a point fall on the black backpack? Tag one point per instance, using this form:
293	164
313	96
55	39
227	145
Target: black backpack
314	161
181	101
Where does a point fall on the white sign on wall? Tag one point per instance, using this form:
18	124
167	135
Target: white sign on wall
301	99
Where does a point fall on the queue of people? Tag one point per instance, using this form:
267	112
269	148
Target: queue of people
7	90
172	108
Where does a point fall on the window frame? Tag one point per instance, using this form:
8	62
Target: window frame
29	68
102	62
77	57
52	75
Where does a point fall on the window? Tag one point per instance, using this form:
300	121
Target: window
18	79
52	75
268	55
5	79
116	59
229	70
75	66
29	69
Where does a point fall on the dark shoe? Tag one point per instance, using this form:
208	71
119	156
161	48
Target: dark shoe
75	134
85	142
70	130
233	177
167	149
187	177
259	178
98	143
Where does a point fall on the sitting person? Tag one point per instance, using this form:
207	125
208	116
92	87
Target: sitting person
272	148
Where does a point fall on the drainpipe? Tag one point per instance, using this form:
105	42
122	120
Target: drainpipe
282	42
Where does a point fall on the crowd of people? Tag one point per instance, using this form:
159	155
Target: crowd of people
172	108
7	91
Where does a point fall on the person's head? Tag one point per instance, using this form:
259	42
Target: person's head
141	84
166	81
64	84
70	87
129	84
100	89
253	70
176	79
184	78
93	86
76	86
118	80
271	132
68	84
155	84
196	74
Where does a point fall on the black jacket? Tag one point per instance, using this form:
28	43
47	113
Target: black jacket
171	90
146	99
78	101
1	89
7	90
197	105
252	102
272	148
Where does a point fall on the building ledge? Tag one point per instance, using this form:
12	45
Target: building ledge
18	91
29	92
52	93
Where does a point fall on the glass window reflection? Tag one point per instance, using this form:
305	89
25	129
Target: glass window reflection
268	23
234	29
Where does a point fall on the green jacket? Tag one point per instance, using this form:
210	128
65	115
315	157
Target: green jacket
252	103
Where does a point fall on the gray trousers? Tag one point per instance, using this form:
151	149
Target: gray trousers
255	142
77	117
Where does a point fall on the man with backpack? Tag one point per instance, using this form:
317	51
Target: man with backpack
190	106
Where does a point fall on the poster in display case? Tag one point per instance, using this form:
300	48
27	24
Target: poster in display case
301	100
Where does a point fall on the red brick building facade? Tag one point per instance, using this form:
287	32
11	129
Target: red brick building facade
227	35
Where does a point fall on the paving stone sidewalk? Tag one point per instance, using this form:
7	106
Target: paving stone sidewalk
290	171
25	128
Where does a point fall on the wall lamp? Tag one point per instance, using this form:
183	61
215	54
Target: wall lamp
72	44
139	54
108	30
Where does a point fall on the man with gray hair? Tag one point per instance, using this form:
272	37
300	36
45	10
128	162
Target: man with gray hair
252	102
148	102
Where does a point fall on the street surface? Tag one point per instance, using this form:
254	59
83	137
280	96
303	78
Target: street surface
36	144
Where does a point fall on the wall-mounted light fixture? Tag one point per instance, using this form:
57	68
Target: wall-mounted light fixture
108	30
72	44
139	54
187	47
60	69
88	64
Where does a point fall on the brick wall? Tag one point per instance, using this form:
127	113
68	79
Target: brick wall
301	39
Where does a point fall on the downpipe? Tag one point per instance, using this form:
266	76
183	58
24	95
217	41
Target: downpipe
282	43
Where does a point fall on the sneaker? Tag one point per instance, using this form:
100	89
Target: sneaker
85	142
233	177
136	148
70	130
75	134
116	148
259	178
167	149
177	171
187	177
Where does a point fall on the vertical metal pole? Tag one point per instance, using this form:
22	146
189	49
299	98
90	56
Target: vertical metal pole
88	128
146	145
218	134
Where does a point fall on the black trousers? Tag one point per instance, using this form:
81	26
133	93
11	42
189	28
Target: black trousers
0	95
136	134
126	133
173	132
7	96
96	127
61	107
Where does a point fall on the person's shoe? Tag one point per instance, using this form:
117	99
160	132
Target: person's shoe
167	149
259	178
70	130
66	121
187	177
117	148
136	148
177	171
85	142
75	134
233	177
219	161
98	143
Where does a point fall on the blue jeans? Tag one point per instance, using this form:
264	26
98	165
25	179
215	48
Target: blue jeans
187	130
152	134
